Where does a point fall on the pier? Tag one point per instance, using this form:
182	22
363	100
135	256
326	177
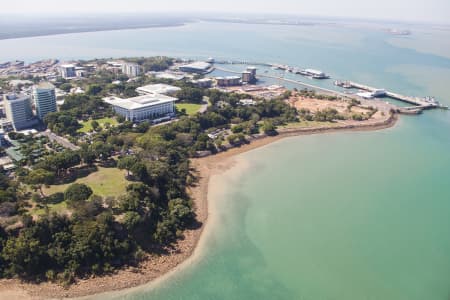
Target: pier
419	104
244	62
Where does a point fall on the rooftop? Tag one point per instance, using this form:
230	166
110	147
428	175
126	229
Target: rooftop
200	65
158	89
313	71
140	101
16	82
44	85
166	75
228	78
16	97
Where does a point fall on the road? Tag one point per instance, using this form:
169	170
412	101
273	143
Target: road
60	140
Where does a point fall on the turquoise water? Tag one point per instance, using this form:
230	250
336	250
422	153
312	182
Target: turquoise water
359	215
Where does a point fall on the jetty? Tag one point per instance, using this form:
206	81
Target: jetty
418	103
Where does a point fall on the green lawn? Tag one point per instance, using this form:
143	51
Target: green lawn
88	127
105	182
57	208
191	108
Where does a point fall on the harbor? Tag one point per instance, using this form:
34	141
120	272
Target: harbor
366	92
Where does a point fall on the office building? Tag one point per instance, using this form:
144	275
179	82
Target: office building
67	71
131	69
141	108
18	111
44	99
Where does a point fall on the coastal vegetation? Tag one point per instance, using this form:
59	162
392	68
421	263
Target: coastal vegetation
121	194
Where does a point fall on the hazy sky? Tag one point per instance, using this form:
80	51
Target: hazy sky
419	10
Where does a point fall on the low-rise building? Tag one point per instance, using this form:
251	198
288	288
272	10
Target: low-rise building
203	83
142	108
228	81
198	67
317	74
159	88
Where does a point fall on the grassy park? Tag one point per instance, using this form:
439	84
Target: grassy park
191	108
87	125
105	182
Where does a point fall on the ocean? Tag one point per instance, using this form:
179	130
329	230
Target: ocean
355	215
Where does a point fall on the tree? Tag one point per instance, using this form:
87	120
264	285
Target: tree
94	89
269	128
126	163
39	177
102	151
87	155
139	171
95	125
189	94
77	192
65	87
24	255
131	220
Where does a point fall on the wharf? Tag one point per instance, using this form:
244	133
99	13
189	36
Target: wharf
418	104
421	103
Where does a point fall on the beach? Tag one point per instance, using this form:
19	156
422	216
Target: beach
187	250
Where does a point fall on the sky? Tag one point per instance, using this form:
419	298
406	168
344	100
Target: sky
436	11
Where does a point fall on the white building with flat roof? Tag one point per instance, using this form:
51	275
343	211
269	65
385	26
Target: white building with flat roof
145	107
159	88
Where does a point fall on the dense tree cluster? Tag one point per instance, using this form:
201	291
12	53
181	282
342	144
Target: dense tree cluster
159	63
190	94
77	107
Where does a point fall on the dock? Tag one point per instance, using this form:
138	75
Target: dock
418	102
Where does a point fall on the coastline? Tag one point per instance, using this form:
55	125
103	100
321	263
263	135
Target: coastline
157	269
75	31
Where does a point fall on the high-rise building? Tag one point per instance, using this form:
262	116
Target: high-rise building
131	69
18	111
44	99
67	71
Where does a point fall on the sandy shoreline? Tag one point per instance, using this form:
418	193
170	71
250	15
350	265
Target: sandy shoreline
157	269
